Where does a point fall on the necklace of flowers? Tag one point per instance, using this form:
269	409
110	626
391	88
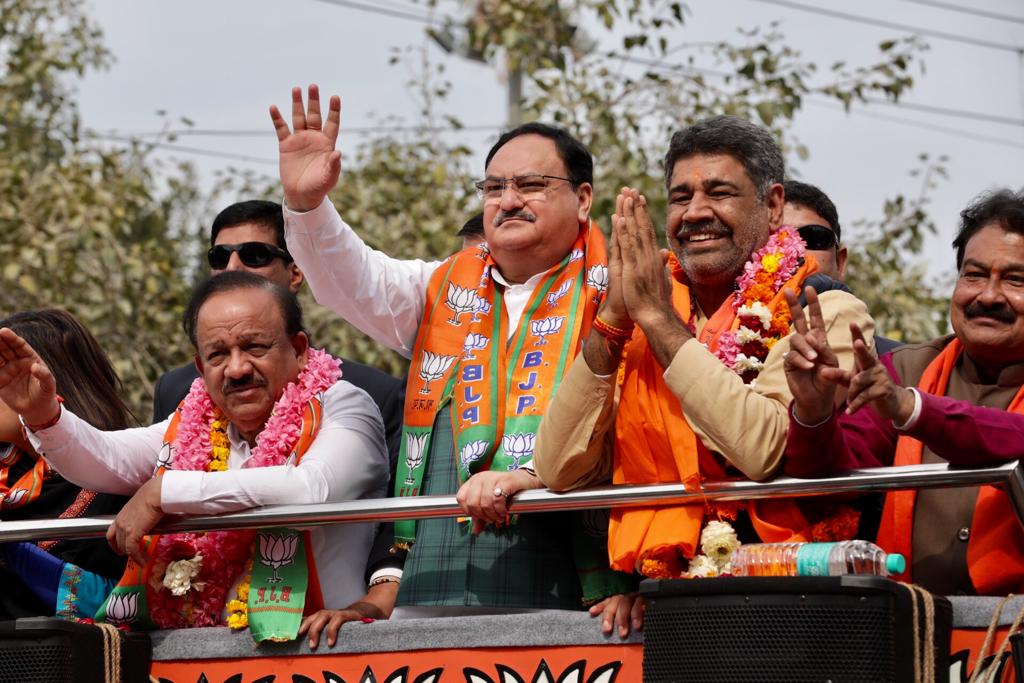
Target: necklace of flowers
744	349
199	568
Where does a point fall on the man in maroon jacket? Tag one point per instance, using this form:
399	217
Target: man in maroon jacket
956	399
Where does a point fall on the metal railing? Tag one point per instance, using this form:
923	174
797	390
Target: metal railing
1010	475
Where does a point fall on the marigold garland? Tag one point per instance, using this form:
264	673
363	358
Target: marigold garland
744	349
227	552
239	607
219	443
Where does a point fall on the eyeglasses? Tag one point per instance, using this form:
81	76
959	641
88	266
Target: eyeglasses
818	237
533	186
251	254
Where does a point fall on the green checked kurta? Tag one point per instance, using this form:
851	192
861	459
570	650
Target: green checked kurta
526	565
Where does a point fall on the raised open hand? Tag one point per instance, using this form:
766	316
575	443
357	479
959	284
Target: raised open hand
812	370
26	384
310	165
872	385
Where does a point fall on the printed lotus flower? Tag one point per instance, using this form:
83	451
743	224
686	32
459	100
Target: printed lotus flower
483	251
414	445
518	447
165	457
474	342
483	306
554	296
433	366
597	277
545	326
277	551
472	452
575	255
460	300
179	574
15	498
122	608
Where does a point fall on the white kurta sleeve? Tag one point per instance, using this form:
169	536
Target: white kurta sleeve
347	461
381	296
117	462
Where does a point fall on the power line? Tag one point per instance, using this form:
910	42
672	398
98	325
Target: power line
958	132
969	11
395	13
188	150
262	133
955	37
927	108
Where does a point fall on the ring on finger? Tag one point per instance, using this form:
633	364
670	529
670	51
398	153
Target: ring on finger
500	492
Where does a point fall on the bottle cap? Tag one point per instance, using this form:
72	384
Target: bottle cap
895	564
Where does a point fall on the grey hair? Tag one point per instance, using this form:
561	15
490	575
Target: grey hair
752	145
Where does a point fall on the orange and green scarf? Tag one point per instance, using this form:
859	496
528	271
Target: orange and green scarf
499	390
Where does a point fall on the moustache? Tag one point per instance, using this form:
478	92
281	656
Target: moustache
708	227
518	214
233	385
1000	312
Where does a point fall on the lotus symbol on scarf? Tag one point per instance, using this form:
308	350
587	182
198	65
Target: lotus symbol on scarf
433	366
518	446
122	608
575	255
460	300
554	296
165	457
474	342
472	452
545	326
15	497
277	551
483	306
597	277
414	445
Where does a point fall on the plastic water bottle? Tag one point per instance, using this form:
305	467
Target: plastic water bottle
815	559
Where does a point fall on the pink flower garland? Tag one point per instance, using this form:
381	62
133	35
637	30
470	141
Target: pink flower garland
225	552
744	349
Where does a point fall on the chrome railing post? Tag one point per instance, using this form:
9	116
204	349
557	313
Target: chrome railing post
1015	487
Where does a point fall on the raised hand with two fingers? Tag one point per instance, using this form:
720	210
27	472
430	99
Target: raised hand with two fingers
812	370
871	384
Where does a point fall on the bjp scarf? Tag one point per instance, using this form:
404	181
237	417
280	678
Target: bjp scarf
499	390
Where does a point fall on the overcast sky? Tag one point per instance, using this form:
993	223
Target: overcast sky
221	63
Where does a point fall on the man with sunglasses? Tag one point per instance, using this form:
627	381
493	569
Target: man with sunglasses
813	214
249	236
489	332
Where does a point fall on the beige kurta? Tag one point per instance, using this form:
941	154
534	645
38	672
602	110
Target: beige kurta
745	424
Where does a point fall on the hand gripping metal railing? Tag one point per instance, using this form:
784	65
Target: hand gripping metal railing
1009	475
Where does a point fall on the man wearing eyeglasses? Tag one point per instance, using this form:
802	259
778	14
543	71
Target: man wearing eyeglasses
490	332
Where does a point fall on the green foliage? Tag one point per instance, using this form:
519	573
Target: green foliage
896	290
81	226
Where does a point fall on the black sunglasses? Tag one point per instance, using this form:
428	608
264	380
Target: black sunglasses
818	237
252	254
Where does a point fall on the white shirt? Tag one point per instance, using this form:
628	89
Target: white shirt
382	297
346	461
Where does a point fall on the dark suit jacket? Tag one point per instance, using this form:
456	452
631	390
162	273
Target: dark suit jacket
386	391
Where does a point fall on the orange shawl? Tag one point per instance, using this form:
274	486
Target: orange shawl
995	551
654	443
